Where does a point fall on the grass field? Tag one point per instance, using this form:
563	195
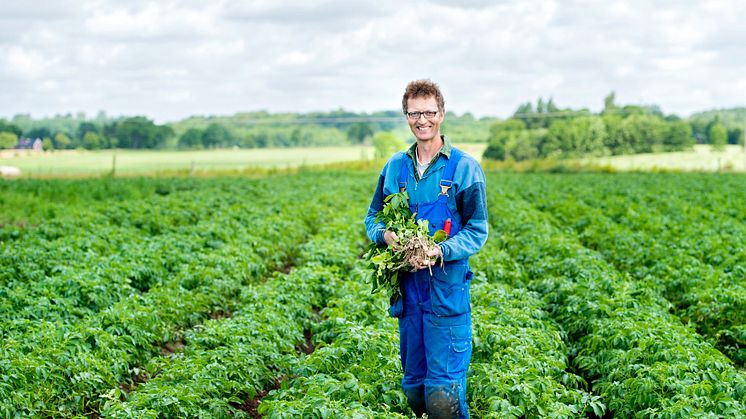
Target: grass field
129	162
81	163
702	158
148	162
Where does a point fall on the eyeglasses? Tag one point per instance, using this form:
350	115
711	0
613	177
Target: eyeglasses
416	115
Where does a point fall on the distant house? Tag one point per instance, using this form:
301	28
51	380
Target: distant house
29	144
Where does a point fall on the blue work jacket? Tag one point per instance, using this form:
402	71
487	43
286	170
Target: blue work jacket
467	199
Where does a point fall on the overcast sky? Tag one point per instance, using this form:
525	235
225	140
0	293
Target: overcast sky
171	59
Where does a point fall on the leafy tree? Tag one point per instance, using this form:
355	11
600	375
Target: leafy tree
386	143
92	141
718	135
643	134
576	137
524	113
502	133
191	138
138	132
61	140
524	146
629	110
735	135
610	108
8	127
551	107
47	144
8	140
84	128
215	135
614	141
358	132
39	132
679	136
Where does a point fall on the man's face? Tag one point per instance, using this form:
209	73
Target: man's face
424	129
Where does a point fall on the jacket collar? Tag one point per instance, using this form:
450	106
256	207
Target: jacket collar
445	150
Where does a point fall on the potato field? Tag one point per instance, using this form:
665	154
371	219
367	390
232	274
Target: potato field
596	296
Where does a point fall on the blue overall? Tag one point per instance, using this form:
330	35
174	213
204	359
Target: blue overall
435	316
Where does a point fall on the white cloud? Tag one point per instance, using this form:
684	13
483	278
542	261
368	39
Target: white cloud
155	20
175	58
26	64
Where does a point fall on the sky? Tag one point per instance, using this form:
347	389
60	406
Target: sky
168	60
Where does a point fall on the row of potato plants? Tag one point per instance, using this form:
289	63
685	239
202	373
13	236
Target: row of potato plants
227	364
695	255
519	364
354	369
636	355
118	281
518	368
213	248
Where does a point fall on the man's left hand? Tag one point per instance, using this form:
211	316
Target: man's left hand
434	254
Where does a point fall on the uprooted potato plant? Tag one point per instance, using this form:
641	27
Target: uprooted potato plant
411	251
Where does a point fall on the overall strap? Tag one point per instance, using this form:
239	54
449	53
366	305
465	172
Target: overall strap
403	172
447	180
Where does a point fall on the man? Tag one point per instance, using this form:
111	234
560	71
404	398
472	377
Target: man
446	187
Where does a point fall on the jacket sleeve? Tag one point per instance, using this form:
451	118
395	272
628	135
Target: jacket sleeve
376	229
471	201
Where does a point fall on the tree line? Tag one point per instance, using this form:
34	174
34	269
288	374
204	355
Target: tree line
533	131
245	130
546	131
67	133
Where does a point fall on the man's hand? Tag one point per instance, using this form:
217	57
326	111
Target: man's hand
391	238
433	254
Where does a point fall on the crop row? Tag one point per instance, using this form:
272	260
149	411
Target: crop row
694	255
637	356
197	250
192	298
227	364
519	365
520	360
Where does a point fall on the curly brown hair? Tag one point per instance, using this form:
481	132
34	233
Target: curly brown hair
423	88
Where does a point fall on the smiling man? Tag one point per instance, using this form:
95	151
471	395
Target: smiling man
446	187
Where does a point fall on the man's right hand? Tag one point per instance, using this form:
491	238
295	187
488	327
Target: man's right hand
391	238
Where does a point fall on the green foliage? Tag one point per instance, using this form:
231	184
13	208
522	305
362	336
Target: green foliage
595	296
139	132
386	144
640	357
8	140
62	141
549	132
216	135
91	140
718	136
732	119
359	132
388	262
679	137
11	128
191	138
501	135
